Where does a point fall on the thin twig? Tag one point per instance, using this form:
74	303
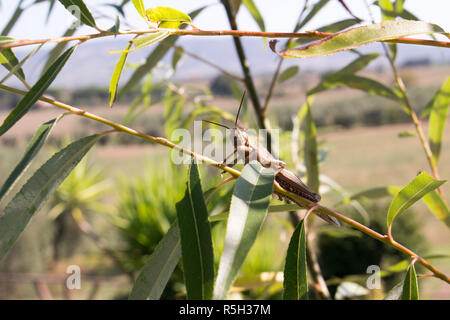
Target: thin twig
198	32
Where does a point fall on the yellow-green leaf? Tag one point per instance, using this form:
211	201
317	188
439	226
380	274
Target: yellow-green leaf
167	17
116	75
139	5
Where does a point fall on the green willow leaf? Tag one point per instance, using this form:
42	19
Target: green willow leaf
31	150
249	204
332	80
35	92
8	59
295	269
116	75
38	188
438	117
357	82
360	36
310	149
85	15
167	17
139	5
288	73
410	286
196	241
374	193
415	190
156	272
251	7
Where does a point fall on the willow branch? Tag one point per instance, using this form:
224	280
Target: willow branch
304	203
199	32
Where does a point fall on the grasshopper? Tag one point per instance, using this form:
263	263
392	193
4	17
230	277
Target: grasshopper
248	146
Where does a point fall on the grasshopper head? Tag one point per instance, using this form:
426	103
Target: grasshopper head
239	136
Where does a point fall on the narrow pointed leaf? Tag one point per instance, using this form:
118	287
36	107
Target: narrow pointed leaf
196	241
288	73
155	274
38	188
410	286
310	149
116	75
295	269
251	7
139	5
32	149
360	36
332	80
249	204
356	82
374	193
85	15
35	92
438	117
415	190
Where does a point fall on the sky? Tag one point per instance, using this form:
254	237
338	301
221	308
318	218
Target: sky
279	15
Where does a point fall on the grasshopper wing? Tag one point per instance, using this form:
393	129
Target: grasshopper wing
289	181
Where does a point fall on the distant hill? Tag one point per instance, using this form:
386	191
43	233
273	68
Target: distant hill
92	65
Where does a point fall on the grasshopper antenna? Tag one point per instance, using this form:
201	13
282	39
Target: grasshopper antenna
239	110
217	124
